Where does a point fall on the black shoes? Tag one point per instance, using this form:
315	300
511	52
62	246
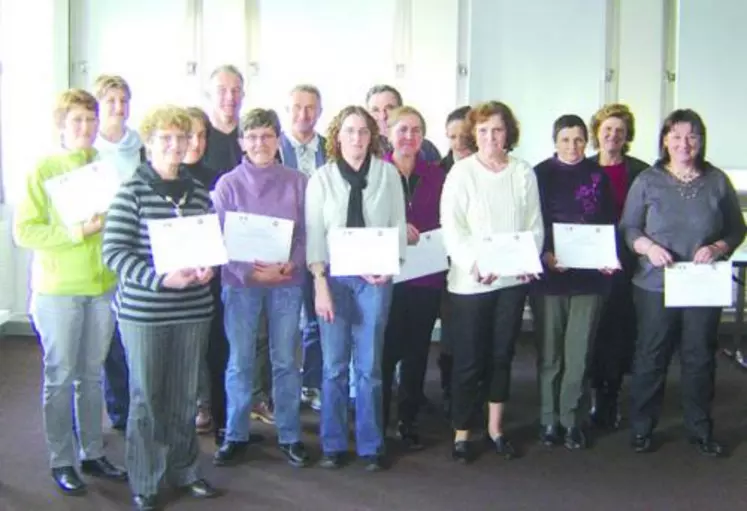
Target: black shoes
707	446
229	453
332	460
201	489
408	435
605	412
461	452
549	435
145	502
68	481
503	447
296	454
103	469
641	444
575	439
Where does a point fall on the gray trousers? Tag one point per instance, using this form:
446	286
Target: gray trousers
567	325
161	439
75	334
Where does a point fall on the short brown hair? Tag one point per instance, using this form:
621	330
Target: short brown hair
309	89
619	111
333	132
259	118
73	98
165	117
484	111
398	113
198	114
105	83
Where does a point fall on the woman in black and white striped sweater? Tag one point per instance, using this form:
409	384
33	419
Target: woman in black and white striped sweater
163	319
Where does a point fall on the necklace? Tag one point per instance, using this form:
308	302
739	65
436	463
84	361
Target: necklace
178	205
686	175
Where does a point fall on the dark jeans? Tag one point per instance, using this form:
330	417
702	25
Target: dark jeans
310	340
116	382
698	329
407	339
217	360
613	347
485	327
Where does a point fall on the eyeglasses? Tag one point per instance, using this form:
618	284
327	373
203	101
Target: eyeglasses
264	138
172	139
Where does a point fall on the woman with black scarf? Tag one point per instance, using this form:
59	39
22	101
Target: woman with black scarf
163	319
356	188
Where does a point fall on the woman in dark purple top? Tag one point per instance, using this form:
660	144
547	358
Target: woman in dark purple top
415	303
567	302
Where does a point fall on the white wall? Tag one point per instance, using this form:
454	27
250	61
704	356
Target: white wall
506	46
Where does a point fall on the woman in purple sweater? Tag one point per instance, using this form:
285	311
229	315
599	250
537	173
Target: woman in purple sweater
415	303
574	190
261	186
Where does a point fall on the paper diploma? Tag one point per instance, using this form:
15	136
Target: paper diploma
82	193
698	285
186	242
427	257
508	255
587	247
363	251
251	237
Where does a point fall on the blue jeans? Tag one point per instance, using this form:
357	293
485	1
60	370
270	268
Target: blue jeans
75	333
241	317
361	313
116	383
312	347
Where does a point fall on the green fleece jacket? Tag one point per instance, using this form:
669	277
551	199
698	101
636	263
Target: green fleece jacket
65	262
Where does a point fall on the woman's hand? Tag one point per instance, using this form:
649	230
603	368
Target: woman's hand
552	263
377	280
413	235
707	254
92	226
659	256
483	279
269	273
180	279
323	305
204	275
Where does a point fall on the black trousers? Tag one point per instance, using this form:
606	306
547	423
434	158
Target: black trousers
484	328
217	360
614	344
407	338
697	342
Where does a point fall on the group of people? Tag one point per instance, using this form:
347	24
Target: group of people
183	352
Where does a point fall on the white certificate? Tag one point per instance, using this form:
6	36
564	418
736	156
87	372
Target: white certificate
586	247
363	251
425	258
698	285
186	242
251	237
82	193
508	255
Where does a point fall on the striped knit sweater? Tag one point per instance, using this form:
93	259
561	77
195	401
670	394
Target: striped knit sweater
141	296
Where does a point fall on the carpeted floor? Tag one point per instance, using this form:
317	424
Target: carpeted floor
607	477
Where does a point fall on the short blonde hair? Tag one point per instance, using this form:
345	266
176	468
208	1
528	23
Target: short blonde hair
72	98
104	83
620	111
398	113
333	131
165	117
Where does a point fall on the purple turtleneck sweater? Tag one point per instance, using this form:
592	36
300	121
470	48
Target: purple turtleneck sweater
276	191
576	194
422	207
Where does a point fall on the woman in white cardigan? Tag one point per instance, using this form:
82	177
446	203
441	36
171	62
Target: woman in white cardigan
354	189
487	193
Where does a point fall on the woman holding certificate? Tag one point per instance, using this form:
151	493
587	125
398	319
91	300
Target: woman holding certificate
261	207
355	189
416	302
163	318
574	191
488	193
71	292
682	209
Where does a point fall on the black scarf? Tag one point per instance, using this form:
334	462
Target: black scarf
357	181
176	190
